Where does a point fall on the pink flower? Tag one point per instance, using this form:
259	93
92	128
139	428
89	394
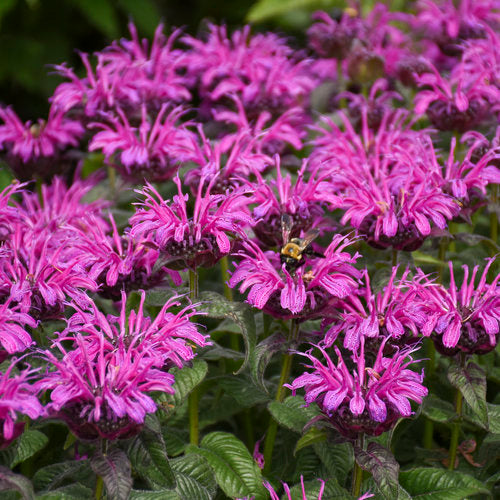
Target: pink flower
191	241
368	399
13	335
275	496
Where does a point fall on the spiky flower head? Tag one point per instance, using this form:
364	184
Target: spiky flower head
274	495
365	399
191	241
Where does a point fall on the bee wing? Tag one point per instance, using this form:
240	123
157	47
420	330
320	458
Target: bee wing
308	238
286	227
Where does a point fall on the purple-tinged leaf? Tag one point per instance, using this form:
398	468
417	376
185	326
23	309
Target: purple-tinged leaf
114	468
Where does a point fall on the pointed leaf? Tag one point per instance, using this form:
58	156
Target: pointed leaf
437	409
154	495
337	458
440	484
382	465
28	444
152	440
471	382
217	306
292	413
243	391
11	481
52	476
114	468
313	435
195	478
235	470
262	10
332	491
262	355
75	491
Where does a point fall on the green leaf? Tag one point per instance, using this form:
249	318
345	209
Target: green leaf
101	14
154	495
114	468
186	379
337	458
28	444
243	391
267	9
438	410
332	491
235	470
75	491
471	382
291	413
217	306
261	356
53	475
494	418
144	14
423	258
152	440
195	478
11	481
382	465
313	435
440	484
159	296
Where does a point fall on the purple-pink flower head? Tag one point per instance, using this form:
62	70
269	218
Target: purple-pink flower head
101	387
362	399
275	496
39	278
197	240
464	319
38	144
153	150
118	262
125	76
303	200
299	294
261	70
10	213
170	338
13	334
17	397
392	313
457	103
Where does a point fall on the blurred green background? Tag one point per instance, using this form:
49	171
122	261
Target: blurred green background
37	33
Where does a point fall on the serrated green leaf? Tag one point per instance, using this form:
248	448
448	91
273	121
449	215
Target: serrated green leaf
493	418
292	413
53	475
195	478
384	469
243	391
423	258
71	492
28	444
261	356
11	481
471	382
440	484
176	440
152	440
101	14
154	495
438	410
114	468
268	9
235	470
159	296
313	435
217	306
338	459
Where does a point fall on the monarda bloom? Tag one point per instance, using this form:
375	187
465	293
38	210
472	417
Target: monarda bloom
152	151
197	240
392	313
299	294
38	149
364	400
274	495
17	397
13	335
466	319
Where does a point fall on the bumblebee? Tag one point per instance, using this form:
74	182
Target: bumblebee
294	250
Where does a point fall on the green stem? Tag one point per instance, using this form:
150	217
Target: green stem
194	396
357	476
112	180
455	431
493	215
98	488
286	368
394	257
224	266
